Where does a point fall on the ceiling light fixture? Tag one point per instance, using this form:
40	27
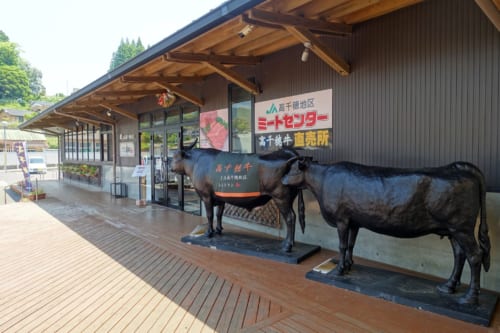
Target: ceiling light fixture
305	53
108	113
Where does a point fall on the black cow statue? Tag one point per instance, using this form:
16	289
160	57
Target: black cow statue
403	203
217	176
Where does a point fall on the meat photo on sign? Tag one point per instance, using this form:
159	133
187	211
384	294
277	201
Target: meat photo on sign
214	130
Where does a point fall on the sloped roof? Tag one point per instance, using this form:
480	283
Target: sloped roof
237	33
18	135
16	113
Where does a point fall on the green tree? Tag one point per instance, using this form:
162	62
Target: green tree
14	83
34	78
3	37
126	51
18	79
9	54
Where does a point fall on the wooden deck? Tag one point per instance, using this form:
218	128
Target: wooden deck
84	262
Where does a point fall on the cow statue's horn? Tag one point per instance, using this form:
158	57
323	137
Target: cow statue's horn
191	146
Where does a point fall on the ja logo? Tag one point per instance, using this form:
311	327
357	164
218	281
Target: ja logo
272	109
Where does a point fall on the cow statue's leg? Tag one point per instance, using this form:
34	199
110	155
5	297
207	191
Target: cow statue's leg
288	214
220	212
469	245
209	208
459	260
353	233
343	232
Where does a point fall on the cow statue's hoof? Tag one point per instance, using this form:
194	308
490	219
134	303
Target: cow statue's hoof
209	233
218	230
446	288
286	246
469	298
339	271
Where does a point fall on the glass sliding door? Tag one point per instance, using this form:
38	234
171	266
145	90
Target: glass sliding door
191	201
174	193
145	159
158	168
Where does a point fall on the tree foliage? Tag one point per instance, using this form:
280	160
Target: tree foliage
18	79
14	83
126	51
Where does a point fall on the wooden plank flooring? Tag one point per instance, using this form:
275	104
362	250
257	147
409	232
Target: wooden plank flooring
96	278
81	261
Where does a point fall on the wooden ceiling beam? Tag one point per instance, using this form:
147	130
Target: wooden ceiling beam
181	93
301	22
156	78
98	115
247	20
215	63
223	59
321	50
83	119
96	101
497	4
234	77
120	111
490	9
374	10
129	92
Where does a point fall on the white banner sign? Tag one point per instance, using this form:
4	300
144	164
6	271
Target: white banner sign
311	111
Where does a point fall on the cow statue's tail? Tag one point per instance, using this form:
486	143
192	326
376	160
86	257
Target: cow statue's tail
484	239
302	214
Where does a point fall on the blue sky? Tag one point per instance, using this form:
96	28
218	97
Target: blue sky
72	42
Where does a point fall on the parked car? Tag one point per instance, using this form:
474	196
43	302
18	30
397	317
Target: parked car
36	164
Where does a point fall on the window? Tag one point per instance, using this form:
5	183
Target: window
145	120
173	116
190	114
158	118
240	104
84	144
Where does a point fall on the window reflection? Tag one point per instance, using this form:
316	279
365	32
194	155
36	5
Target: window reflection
241	120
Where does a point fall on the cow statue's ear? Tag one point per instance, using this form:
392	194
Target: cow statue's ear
304	162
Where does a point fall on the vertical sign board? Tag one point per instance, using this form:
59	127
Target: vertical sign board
20	148
300	121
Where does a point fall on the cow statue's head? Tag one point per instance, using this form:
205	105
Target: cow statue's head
295	176
178	163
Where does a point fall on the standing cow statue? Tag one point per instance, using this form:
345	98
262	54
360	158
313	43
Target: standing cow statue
211	169
403	203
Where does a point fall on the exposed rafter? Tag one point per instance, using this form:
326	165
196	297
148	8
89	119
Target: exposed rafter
129	92
167	83
297	21
322	50
491	8
98	115
215	63
223	59
234	77
301	29
164	79
97	100
120	111
84	119
181	92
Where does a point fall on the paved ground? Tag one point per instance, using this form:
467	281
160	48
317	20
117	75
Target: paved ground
83	261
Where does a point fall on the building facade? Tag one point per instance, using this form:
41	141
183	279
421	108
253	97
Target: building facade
414	87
